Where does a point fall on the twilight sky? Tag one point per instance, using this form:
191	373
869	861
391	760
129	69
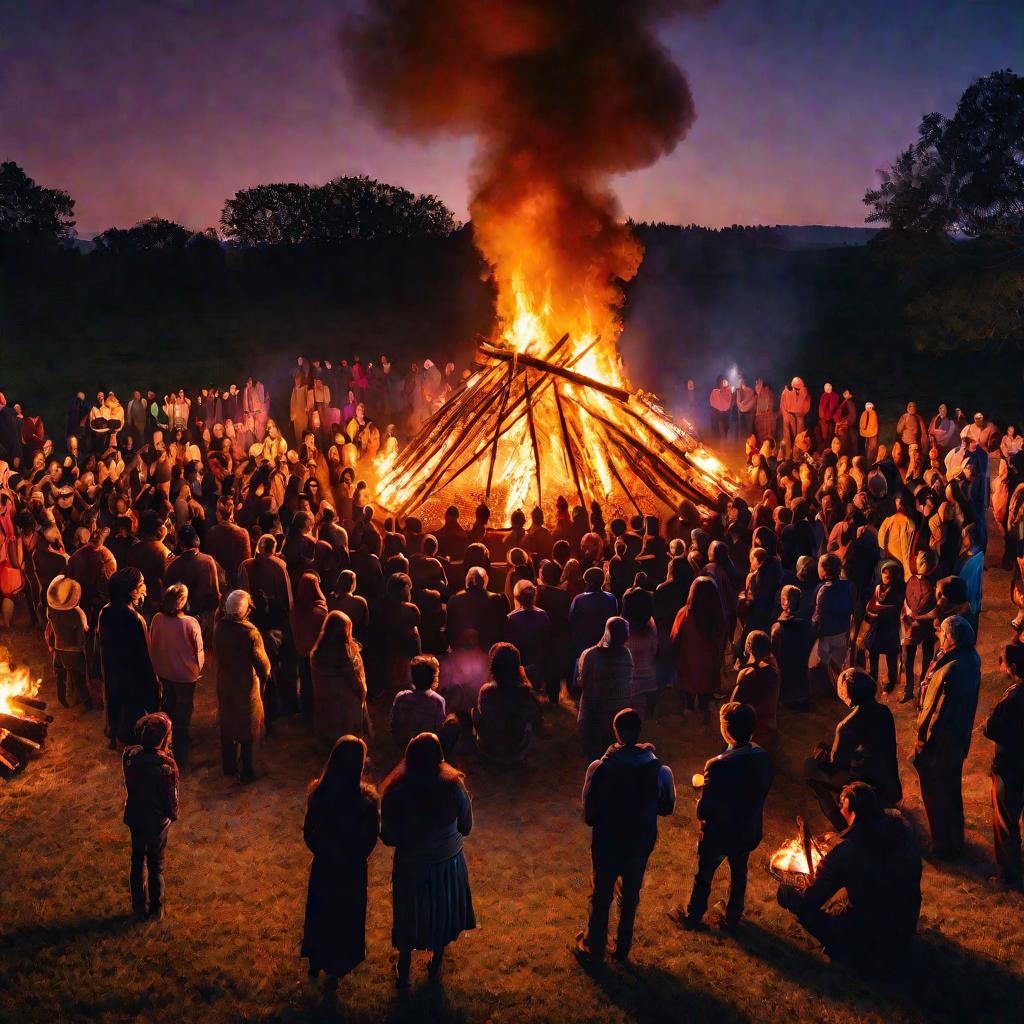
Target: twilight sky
145	108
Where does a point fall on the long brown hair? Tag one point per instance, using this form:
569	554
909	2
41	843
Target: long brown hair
424	783
342	775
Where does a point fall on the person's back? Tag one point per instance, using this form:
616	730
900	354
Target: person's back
419	709
865	744
590	612
527	629
731	806
229	545
198	572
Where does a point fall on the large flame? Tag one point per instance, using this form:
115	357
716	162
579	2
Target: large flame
791	857
15	682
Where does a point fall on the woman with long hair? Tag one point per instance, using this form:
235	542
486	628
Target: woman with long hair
698	637
426	812
638	611
339	680
309	610
341	828
507	709
603	679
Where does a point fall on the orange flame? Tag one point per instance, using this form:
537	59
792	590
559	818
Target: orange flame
791	857
15	683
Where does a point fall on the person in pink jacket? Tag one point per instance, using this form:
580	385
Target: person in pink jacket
794	404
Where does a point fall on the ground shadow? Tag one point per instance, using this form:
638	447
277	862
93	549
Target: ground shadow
29	939
647	994
937	979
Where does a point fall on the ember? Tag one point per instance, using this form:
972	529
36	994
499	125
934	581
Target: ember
790	858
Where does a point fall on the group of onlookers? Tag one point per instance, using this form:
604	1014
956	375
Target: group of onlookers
838	575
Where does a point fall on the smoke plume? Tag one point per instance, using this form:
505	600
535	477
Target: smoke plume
560	95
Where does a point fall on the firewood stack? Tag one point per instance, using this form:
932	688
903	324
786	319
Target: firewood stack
23	720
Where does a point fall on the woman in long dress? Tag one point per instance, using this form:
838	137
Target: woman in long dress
425	813
698	638
341	829
339	681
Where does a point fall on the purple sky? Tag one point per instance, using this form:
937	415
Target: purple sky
142	108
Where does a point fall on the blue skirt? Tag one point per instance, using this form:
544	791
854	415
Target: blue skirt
432	903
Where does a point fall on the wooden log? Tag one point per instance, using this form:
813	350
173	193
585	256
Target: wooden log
497	427
559	371
20	746
10	764
567	441
29	704
533	432
805	840
622	483
25	725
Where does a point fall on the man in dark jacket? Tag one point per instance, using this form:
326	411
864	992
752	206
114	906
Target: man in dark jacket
151	804
949	701
227	543
878	863
731	814
199	573
478	609
590	611
863	750
624	794
1005	727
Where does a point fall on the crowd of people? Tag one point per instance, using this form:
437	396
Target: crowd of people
850	570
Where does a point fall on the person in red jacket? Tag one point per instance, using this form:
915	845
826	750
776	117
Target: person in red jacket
721	406
828	413
794	405
151	804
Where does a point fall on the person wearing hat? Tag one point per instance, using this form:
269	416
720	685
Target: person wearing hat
131	687
66	633
150	806
48	560
176	645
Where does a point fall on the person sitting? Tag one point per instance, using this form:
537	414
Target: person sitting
507	711
421	708
863	750
731	815
878	863
624	794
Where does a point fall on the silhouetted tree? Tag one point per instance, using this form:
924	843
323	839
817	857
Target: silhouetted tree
146	236
341	210
965	173
29	212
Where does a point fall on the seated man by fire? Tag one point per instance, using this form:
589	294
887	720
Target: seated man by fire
878	862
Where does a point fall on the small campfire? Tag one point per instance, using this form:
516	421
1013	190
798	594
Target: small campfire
23	719
796	862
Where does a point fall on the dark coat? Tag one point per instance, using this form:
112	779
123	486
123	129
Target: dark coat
199	573
229	546
792	640
341	836
865	746
878	863
480	610
731	805
588	615
131	688
949	702
242	671
151	791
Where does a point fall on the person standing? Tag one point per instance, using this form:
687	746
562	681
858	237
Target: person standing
426	812
846	425
830	622
721	407
757	684
1005	728
794	405
745	401
341	828
130	685
867	428
150	806
68	632
603	680
176	642
731	815
242	672
698	640
624	794
949	701
339	680
828	413
764	411
198	572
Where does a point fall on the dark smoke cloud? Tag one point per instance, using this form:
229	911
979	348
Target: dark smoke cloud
560	95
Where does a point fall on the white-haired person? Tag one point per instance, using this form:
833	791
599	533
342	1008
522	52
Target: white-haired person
242	673
176	648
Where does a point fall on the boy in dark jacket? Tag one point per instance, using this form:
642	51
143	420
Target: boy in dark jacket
151	804
731	814
624	794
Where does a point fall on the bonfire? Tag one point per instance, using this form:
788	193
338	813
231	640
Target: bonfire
23	724
796	862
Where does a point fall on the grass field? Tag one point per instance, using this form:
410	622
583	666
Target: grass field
236	873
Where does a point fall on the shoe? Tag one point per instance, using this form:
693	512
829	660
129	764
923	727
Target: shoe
612	950
682	920
583	951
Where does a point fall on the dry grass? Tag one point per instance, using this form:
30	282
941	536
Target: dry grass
236	872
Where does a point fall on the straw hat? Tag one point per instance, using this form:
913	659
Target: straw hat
63	594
